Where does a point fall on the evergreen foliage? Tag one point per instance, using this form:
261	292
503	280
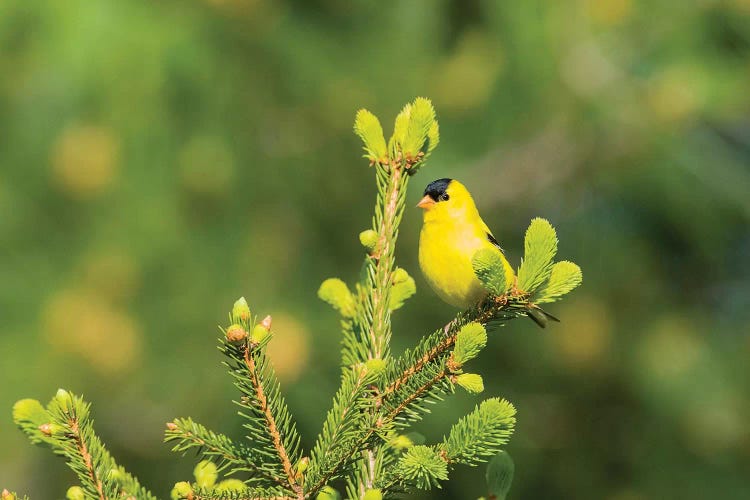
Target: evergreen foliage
368	128
335	292
362	441
540	247
488	266
403	288
423	467
470	340
564	277
481	433
67	428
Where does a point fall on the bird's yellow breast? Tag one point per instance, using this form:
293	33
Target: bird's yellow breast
445	252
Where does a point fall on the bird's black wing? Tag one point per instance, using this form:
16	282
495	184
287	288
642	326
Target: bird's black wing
494	242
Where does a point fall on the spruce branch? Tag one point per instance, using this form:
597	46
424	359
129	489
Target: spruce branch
415	128
383	288
339	438
69	431
368	128
270	418
212	494
269	421
205	486
390	210
423	467
480	434
418	374
423	374
87	464
412	128
540	247
490	271
230	457
360	441
564	277
471	441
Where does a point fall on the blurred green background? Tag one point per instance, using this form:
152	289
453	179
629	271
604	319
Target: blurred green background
160	159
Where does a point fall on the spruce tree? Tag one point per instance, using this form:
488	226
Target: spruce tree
364	447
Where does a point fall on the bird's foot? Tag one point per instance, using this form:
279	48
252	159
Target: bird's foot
501	300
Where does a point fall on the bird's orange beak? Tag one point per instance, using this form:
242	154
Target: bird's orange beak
426	202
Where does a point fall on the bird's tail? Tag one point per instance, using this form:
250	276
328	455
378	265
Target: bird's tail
540	316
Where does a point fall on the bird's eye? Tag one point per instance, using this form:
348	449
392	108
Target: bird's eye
444	197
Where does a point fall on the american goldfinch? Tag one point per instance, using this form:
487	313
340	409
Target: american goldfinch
452	233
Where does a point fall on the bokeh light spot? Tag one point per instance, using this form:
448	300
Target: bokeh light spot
715	424
466	78
583	339
80	323
206	166
669	350
112	274
85	160
673	95
608	12
289	348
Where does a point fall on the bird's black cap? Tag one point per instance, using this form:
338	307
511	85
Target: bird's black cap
435	188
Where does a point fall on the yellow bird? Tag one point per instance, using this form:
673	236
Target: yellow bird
451	234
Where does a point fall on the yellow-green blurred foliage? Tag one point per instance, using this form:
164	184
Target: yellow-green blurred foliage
158	160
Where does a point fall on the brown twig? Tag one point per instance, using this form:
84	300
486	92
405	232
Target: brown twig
416	394
433	353
84	451
194	496
384	265
271	422
483	316
390	416
384	262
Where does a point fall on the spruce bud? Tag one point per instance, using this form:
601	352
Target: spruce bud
373	495
375	367
401	442
266	322
205	474
400	275
75	493
303	464
236	334
115	475
335	292
181	491
64	399
369	239
240	310
328	493
231	485
260	333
